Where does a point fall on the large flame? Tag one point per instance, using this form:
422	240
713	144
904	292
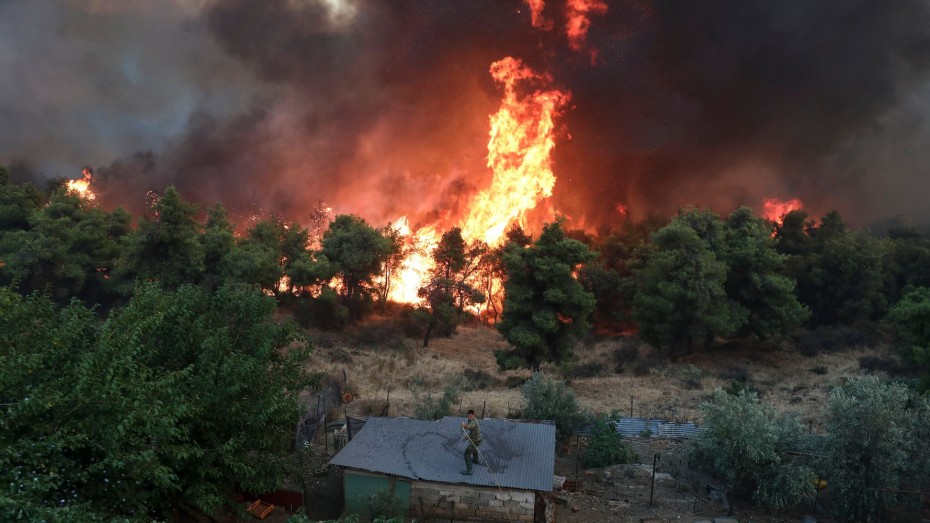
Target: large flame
775	210
81	187
578	14
519	155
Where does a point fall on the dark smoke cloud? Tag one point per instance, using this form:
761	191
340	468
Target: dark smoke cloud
380	107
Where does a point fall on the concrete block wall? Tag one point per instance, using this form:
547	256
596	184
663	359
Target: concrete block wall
467	503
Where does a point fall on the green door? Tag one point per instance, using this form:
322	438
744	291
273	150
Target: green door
359	488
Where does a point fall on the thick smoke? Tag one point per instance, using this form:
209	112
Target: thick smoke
380	107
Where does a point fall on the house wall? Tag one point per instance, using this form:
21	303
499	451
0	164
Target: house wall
467	503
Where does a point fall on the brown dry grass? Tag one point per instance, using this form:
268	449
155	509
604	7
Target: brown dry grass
671	389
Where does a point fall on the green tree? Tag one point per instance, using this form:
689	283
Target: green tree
70	250
166	247
545	307
604	446
875	448
174	401
680	297
750	447
911	318
755	279
846	280
906	262
450	286
551	400
217	241
356	252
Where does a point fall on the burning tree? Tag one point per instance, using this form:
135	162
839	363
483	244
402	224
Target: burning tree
449	289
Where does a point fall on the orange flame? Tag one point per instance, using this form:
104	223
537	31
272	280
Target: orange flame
536	16
519	155
579	14
522	138
775	210
82	187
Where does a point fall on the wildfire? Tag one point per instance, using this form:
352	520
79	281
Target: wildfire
82	187
579	14
519	148
536	16
775	210
519	155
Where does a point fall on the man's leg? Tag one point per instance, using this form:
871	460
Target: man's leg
474	452
468	452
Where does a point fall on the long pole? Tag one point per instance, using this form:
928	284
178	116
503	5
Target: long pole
652	487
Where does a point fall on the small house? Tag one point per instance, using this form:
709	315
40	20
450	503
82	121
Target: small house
421	461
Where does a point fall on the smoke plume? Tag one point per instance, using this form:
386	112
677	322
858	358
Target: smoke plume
380	107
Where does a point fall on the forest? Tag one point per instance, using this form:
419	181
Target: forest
154	364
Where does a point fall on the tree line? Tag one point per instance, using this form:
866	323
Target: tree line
681	283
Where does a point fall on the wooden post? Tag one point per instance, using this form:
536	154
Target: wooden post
348	424
631	405
483	407
652	487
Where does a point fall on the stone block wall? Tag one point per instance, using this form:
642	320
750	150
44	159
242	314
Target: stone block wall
468	503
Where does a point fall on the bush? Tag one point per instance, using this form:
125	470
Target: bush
476	379
591	369
643	367
513	382
324	312
605	446
547	399
820	370
876	439
834	339
508	360
888	365
747	445
433	409
737	373
688	375
624	356
413	321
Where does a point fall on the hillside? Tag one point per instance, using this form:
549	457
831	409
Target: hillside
794	375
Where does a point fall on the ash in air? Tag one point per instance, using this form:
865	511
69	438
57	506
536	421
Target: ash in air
381	107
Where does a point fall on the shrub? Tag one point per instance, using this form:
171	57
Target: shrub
747	445
413	321
324	312
548	399
820	370
737	373
591	369
508	360
876	439
643	367
430	408
833	339
476	379
624	356
513	382
888	365
688	375
605	446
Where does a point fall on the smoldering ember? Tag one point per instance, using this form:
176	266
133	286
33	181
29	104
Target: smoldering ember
675	255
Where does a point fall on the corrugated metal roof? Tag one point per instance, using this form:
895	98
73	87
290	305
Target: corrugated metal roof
521	455
658	428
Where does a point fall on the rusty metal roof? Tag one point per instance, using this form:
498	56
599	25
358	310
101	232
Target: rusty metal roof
513	454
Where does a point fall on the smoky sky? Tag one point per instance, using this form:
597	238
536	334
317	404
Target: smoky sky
380	107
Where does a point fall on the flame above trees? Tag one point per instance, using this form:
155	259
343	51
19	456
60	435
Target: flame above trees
522	135
81	187
775	210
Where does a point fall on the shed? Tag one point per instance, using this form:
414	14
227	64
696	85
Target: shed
422	462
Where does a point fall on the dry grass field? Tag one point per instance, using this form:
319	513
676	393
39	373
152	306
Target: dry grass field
386	364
